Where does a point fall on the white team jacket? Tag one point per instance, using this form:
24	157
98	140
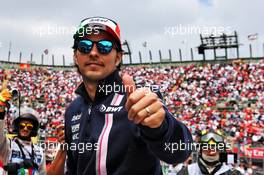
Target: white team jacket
194	169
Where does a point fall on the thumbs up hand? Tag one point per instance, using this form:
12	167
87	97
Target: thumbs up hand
143	106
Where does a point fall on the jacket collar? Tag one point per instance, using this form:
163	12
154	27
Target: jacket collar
104	88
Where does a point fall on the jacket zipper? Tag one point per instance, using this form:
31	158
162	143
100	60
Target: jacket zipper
90	109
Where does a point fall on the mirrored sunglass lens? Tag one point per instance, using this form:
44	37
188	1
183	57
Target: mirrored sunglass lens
24	125
85	46
207	137
104	46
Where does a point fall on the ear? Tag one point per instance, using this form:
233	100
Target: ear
118	59
75	58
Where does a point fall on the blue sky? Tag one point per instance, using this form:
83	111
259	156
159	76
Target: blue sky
206	2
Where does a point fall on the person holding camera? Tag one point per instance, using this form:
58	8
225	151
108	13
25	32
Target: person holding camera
210	156
19	155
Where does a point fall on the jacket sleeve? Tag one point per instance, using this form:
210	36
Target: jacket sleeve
171	142
4	144
71	168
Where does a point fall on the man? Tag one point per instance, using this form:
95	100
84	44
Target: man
123	130
20	155
211	145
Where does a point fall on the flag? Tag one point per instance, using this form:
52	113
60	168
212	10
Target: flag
252	37
30	171
46	51
144	44
1	168
22	171
24	66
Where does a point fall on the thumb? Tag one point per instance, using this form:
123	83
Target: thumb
129	83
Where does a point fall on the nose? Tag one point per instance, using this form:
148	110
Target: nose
25	128
212	152
94	52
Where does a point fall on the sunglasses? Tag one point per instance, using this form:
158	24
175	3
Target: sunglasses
103	46
29	126
213	136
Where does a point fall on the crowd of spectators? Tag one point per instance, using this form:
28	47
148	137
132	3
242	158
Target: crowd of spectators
224	96
227	96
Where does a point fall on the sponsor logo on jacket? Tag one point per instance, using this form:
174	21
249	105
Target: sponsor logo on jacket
103	108
76	117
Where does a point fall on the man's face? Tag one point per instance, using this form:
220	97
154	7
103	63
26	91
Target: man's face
95	66
25	128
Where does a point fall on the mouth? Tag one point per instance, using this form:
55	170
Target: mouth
93	64
25	132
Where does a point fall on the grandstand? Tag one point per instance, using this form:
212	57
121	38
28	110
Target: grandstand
225	94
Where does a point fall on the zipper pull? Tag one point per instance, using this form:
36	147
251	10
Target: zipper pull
89	109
